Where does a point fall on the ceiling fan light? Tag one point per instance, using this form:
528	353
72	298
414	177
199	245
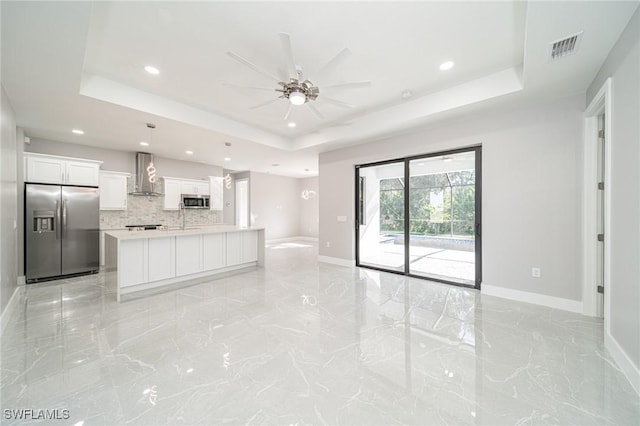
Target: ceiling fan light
297	98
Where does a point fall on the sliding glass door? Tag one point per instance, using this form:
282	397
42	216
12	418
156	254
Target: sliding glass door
381	216
427	228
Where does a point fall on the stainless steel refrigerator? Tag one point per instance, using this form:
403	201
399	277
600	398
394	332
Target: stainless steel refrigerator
61	231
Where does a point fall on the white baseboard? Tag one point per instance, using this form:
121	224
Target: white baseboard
535	298
8	310
290	239
337	261
621	358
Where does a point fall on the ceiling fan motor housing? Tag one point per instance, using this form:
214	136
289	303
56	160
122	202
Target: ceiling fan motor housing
307	88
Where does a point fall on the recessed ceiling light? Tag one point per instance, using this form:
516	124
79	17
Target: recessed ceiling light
291	124
446	65
152	70
406	94
144	143
78	131
227	158
189	152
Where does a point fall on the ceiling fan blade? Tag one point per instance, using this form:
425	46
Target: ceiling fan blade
237	86
264	103
333	63
315	111
285	40
252	66
286	116
351	85
336	102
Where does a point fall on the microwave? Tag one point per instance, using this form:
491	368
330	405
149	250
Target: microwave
194	201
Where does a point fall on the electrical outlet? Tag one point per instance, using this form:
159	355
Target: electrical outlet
328	244
535	272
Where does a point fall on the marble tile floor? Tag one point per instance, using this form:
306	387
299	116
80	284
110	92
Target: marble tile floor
301	342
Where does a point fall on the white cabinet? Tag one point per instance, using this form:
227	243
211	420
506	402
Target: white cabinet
188	254
42	168
249	246
194	187
213	251
234	248
171	194
162	258
113	190
242	247
216	190
83	173
175	187
133	262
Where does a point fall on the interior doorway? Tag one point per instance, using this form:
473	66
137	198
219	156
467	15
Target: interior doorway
421	216
242	203
600	218
596	207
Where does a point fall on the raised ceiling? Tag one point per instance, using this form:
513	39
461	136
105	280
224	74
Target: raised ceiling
81	64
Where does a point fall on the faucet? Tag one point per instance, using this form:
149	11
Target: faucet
182	213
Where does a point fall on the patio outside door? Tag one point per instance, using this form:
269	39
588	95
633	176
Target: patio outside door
381	218
429	228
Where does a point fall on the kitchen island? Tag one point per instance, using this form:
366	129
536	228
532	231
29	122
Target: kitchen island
142	260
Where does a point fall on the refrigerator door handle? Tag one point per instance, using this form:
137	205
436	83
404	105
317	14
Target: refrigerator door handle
57	224
64	219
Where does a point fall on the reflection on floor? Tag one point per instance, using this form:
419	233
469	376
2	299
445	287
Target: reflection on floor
302	342
443	263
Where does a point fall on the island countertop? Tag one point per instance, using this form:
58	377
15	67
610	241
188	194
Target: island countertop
217	229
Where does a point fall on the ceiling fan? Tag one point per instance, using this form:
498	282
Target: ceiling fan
297	89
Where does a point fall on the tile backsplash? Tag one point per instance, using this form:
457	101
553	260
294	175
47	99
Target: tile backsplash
147	210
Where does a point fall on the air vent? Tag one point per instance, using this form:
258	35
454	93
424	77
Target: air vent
565	47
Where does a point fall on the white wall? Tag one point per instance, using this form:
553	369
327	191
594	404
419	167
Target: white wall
8	202
308	208
531	192
623	65
274	204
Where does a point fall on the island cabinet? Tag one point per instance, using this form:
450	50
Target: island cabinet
214	251
188	254
133	267
162	251
148	259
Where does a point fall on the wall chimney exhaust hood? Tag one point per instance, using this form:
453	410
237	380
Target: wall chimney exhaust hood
145	176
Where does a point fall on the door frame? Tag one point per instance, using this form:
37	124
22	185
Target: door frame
237	183
478	216
601	104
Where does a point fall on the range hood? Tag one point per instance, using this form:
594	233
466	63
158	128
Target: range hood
145	176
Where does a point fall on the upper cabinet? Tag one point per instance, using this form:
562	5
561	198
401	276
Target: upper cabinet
175	187
215	185
113	190
171	194
194	187
42	168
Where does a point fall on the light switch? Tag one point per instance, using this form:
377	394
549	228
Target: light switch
342	218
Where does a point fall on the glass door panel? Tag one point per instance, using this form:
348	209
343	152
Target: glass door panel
442	217
380	216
